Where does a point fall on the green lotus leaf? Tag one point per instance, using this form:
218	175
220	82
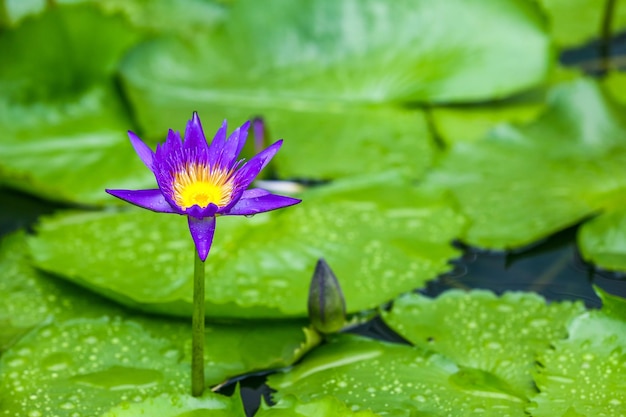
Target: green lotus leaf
498	335
380	236
576	21
60	338
615	84
63	122
90	365
209	405
602	240
396	380
150	14
586	373
29	298
612	305
473	123
524	183
328	406
328	76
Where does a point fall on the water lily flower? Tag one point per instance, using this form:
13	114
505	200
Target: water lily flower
203	181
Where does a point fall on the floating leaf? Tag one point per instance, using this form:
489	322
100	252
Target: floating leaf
58	335
521	184
397	380
586	373
325	406
602	240
152	14
209	405
90	365
381	237
497	335
63	129
576	21
473	123
29	297
612	305
328	75
86	366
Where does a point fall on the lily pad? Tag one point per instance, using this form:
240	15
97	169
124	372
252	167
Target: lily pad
329	76
69	340
29	298
380	235
586	373
576	21
473	123
396	380
149	14
325	406
524	183
209	405
602	240
90	365
63	129
498	335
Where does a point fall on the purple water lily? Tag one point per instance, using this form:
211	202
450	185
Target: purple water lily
203	181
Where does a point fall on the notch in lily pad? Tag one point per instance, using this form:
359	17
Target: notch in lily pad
327	305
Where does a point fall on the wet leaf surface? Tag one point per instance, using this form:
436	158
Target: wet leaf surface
77	352
209	405
380	236
325	406
586	373
397	380
500	336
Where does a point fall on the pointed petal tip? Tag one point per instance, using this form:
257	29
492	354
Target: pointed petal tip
143	151
202	232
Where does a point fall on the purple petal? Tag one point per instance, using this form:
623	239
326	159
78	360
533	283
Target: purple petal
194	136
217	144
148	199
200	213
258	128
258	200
249	171
145	153
233	146
172	145
202	233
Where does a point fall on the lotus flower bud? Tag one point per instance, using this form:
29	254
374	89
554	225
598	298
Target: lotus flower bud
327	306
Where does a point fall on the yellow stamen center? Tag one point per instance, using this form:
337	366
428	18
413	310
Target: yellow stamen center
197	184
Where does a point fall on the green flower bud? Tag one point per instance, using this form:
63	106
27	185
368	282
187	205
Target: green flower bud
327	306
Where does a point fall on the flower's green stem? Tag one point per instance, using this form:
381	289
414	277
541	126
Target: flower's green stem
606	33
197	329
